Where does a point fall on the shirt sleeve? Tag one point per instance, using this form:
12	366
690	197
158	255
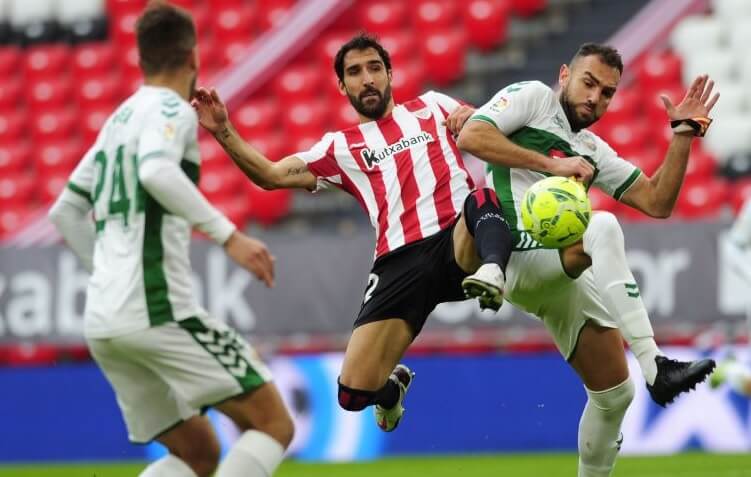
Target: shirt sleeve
321	162
615	174
446	102
515	106
81	180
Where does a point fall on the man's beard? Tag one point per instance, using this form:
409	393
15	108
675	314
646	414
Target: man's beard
377	110
577	123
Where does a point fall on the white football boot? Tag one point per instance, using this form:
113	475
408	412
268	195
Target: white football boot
486	284
388	419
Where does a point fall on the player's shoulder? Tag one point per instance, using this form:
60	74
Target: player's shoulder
164	103
436	97
532	88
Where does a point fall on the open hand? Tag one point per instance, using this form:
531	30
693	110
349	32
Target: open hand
252	255
212	112
698	101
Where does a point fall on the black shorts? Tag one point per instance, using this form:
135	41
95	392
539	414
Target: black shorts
409	282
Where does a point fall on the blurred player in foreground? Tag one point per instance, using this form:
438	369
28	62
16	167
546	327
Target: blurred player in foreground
401	163
585	294
166	359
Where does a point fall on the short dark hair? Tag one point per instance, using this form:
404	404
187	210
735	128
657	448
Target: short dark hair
166	35
606	53
361	41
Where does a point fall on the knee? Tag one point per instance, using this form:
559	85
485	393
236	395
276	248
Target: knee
351	399
614	400
603	229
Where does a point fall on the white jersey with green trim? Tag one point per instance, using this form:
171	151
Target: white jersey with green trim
530	115
141	274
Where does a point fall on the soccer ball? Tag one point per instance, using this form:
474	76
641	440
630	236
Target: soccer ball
556	211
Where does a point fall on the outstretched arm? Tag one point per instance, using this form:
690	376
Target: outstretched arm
656	195
290	172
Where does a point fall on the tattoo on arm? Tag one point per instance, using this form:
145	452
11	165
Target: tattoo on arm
296	171
224	134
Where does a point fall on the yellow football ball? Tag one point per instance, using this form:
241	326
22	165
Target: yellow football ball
556	211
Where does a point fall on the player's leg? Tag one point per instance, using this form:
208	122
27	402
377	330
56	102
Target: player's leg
267	431
371	373
600	362
152	412
483	239
604	243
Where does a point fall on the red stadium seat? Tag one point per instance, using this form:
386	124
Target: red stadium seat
601	201
49	93
11	93
208	55
256	117
227	3
16	189
273	16
31	354
221	184
236	209
234	23
270	145
93	59
327	46
15	157
10	60
297	83
407	80
267	206
46	61
101	90
268	4
655	108
443	55
51	187
92	121
13	124
624	106
213	157
702	199
233	52
131	64
648	160
123	29
204	20
117	8
58	157
430	16
383	16
485	22
54	124
401	46
12	217
701	165
660	134
303	142
740	192
659	71
628	138
527	8
305	117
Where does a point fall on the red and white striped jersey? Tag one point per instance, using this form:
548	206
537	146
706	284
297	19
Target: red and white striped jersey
404	169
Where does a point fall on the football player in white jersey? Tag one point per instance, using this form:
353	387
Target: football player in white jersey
166	359
585	294
401	163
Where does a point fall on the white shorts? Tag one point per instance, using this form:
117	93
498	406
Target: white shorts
169	373
537	284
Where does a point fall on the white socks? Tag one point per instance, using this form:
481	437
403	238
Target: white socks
600	429
740	233
255	454
168	466
604	243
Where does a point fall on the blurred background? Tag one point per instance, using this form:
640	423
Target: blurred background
485	382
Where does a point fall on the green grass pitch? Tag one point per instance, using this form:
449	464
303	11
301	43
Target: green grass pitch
526	465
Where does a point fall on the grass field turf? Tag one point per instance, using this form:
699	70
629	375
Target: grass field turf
527	465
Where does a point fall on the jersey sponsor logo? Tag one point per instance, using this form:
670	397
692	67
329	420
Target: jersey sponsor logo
373	157
588	141
559	121
423	113
500	105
